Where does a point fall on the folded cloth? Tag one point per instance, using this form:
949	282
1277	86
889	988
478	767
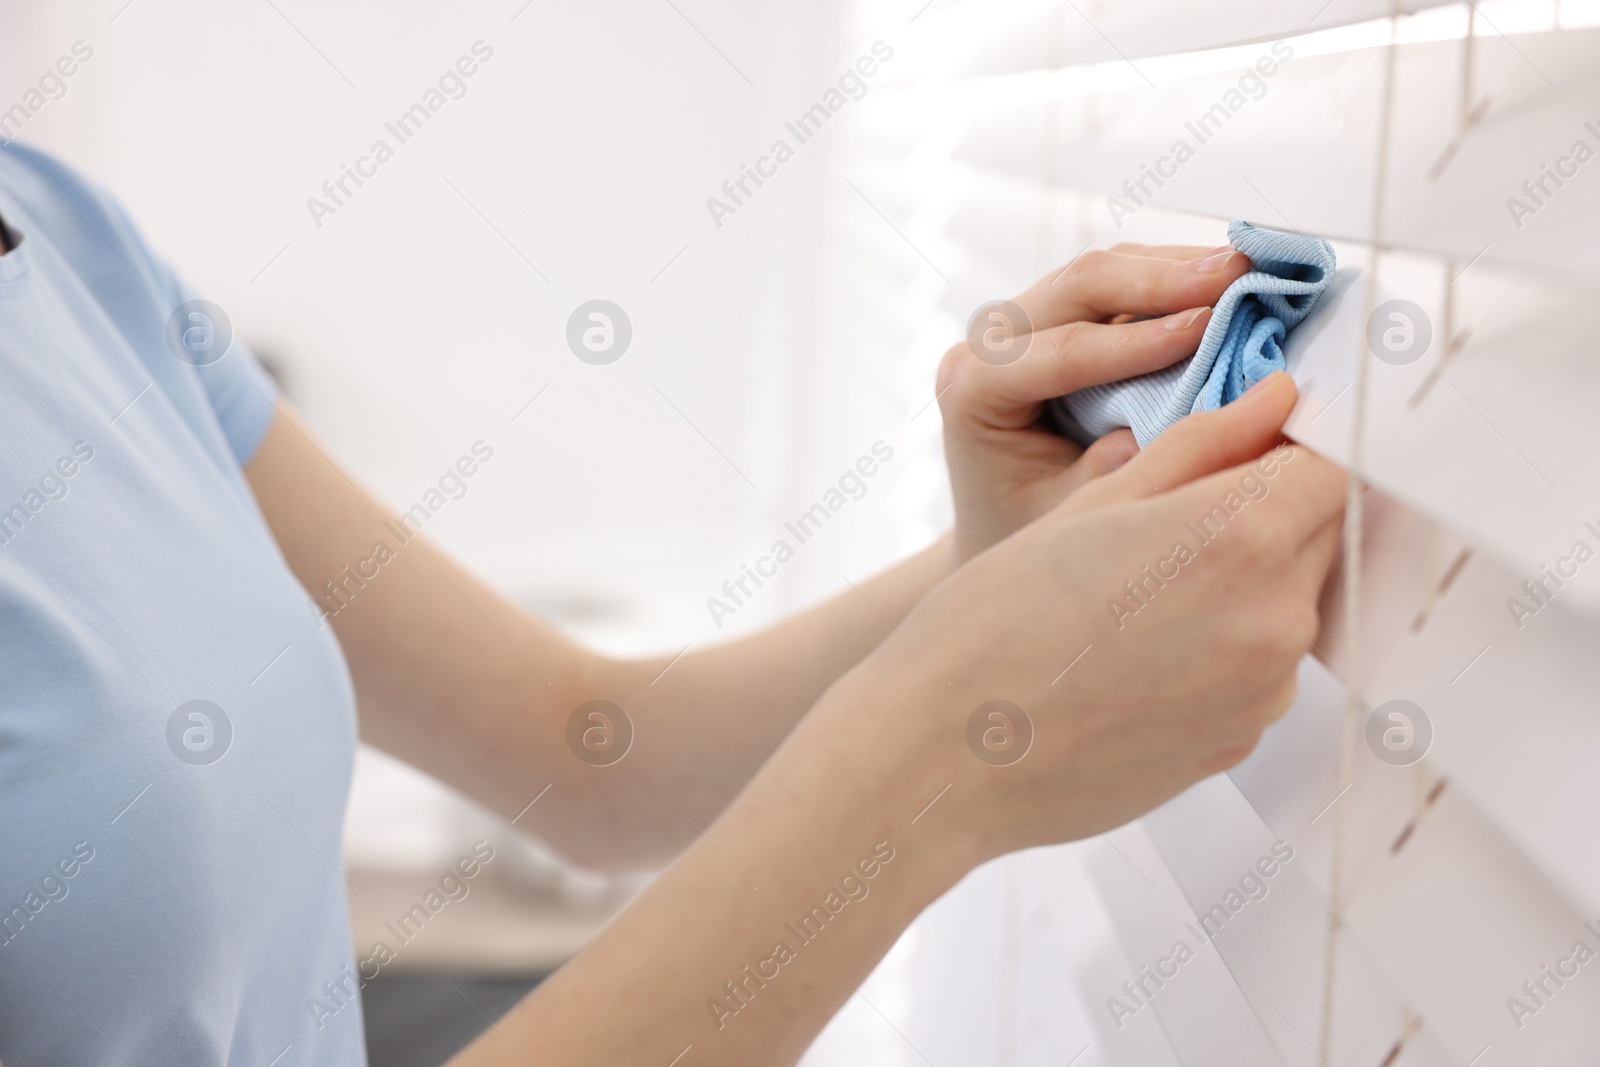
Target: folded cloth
1241	346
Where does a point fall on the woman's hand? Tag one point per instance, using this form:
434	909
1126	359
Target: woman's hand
1181	592
884	796
1005	469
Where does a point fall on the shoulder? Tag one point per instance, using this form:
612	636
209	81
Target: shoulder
76	214
45	185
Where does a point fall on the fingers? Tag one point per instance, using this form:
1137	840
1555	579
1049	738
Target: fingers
1060	360
1278	698
1316	556
1099	284
1169	251
1205	443
1101	458
1291	493
1079	332
1308	492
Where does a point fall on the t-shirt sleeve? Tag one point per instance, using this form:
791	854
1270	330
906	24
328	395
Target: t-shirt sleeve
244	397
241	393
241	396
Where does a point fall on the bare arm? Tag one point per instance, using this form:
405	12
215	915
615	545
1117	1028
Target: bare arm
455	679
875	804
459	681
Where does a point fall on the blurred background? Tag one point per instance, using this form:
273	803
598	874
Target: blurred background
427	308
425	313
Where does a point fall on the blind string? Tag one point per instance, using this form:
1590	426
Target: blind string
1469	115
1352	554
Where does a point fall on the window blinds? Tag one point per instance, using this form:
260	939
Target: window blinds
1452	154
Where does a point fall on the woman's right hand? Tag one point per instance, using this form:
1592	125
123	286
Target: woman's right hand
1141	666
875	804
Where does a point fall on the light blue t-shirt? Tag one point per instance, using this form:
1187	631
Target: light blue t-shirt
177	729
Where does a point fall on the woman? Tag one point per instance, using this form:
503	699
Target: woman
178	720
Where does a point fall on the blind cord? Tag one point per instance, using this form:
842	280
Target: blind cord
1352	556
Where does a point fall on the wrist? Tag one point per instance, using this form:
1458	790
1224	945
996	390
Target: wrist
877	733
781	908
940	559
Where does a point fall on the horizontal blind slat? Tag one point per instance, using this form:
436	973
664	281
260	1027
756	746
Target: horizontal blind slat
1513	718
1200	1009
1301	154
1494	437
1061	34
1210	839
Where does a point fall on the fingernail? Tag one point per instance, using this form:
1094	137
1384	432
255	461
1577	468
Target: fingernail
1212	264
1182	320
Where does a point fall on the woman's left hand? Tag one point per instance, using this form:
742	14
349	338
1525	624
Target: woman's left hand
1006	469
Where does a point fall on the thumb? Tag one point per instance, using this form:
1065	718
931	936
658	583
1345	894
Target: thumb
1200	444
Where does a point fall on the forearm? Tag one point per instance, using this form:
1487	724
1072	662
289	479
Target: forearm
456	679
890	754
750	905
718	713
449	675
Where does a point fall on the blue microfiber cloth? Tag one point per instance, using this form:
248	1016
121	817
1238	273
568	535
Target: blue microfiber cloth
1241	346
